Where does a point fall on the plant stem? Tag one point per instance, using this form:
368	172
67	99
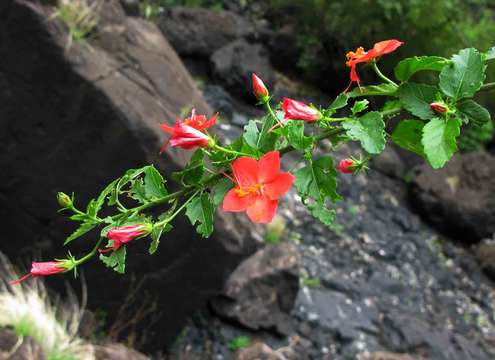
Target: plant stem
177	212
90	254
228	151
380	74
488	86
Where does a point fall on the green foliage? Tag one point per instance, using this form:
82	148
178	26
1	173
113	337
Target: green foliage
464	75
408	67
471	112
439	140
200	210
151	9
369	130
474	136
312	282
239	342
80	17
407	134
116	260
416	98
373	90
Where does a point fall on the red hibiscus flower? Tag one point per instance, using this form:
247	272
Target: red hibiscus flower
379	49
187	133
46	268
259	88
296	110
122	235
259	185
346	166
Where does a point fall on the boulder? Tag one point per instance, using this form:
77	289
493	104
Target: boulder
114	351
258	351
261	292
233	64
199	31
73	119
459	198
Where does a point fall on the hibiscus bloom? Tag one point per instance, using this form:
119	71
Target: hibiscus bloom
122	235
187	133
46	268
259	185
296	110
360	56
346	166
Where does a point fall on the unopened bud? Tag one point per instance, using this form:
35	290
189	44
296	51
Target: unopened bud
64	200
259	89
439	107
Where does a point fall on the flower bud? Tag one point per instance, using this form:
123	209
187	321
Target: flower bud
259	88
47	268
439	107
64	200
346	166
296	110
124	234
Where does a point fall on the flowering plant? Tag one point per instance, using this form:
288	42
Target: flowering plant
246	175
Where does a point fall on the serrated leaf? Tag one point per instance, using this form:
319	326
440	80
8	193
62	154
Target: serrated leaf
339	102
220	190
464	75
322	213
359	106
296	137
154	184
194	170
318	180
471	112
439	140
416	98
103	195
200	211
490	54
369	130
407	134
80	231
408	67
373	90
116	260
156	234
251	134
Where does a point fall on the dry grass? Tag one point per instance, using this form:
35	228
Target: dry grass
30	311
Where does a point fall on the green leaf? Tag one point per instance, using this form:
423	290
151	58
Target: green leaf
80	231
416	98
116	260
408	67
156	234
373	90
369	130
220	190
439	140
318	180
154	184
103	195
490	54
339	102
407	134
471	112
296	137
194	170
251	134
322	213
359	106
200	210
464	75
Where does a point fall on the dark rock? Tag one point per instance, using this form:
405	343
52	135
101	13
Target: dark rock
114	351
234	64
199	31
389	163
460	198
485	253
284	49
260	293
258	351
382	355
73	119
131	7
14	348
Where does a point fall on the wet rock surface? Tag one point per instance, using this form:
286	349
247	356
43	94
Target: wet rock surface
459	198
14	348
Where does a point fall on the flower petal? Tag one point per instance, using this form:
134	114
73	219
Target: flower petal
386	47
232	202
279	186
262	210
167	129
245	170
268	167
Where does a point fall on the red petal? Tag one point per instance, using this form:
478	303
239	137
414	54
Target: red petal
232	202
166	128
268	167
262	210
279	186
386	47
245	170
208	124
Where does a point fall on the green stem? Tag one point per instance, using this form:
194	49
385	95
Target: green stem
228	151
90	254
177	212
488	86
380	74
